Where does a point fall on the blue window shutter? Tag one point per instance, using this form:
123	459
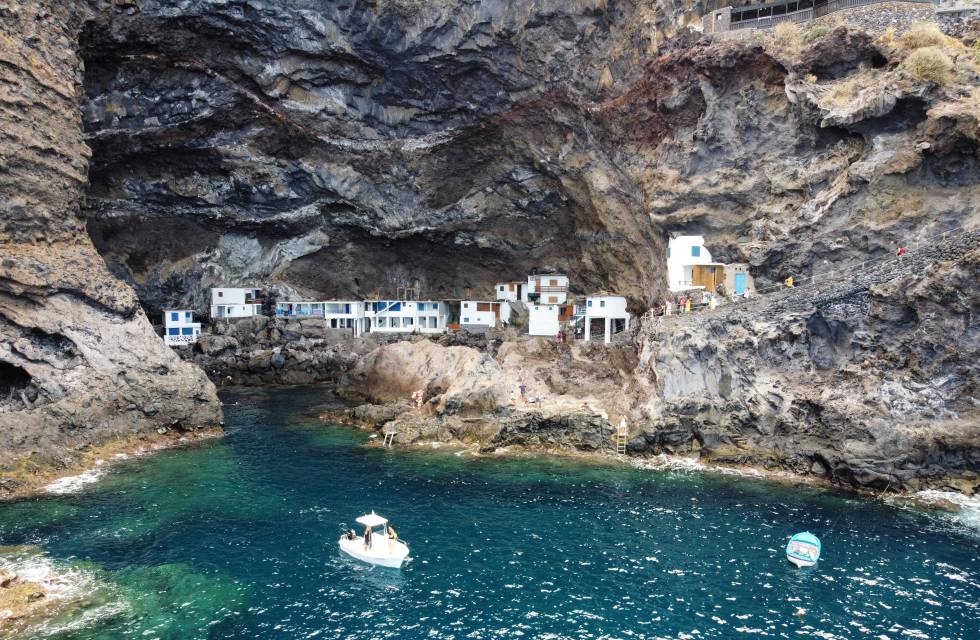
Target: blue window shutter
187	315
173	331
174	316
187	331
696	251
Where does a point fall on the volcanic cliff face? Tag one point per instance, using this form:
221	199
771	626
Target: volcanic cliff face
353	148
346	148
79	361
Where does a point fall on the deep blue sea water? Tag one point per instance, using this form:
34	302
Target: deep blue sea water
238	539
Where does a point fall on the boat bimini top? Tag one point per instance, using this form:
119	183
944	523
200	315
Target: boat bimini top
372	520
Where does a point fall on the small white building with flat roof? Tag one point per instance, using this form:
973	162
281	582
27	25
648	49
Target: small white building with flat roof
683	254
608	311
546	288
512	291
234	302
179	328
336	314
406	316
478	315
543	319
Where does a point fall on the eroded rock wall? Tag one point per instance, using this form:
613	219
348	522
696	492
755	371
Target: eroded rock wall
79	362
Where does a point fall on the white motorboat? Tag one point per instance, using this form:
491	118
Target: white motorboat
382	550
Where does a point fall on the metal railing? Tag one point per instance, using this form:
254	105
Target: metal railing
810	13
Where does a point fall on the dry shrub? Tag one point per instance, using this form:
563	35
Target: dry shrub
845	91
975	50
929	64
788	36
811	78
887	37
922	34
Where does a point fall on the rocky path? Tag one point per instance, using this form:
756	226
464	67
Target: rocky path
830	287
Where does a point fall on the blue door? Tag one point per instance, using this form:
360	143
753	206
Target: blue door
740	283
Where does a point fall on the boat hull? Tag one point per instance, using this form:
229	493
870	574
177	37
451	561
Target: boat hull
802	564
384	553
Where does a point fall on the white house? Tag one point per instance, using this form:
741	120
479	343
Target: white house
345	314
179	328
610	310
543	319
336	314
683	253
478	315
510	291
229	302
406	316
546	288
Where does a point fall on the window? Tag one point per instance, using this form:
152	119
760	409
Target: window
466	320
187	316
668	252
221	294
187	331
589	303
554	283
173	331
602	303
501	288
174	316
409	322
696	251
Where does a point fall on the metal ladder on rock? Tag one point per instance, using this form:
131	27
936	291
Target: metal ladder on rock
389	439
620	439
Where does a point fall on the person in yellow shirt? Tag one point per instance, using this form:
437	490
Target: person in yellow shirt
789	282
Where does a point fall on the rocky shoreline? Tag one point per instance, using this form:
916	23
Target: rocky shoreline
28	478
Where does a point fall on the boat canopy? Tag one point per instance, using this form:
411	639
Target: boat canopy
372	520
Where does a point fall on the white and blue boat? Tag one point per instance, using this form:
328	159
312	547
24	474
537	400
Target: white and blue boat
803	549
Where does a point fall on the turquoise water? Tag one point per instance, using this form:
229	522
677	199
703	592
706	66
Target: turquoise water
237	539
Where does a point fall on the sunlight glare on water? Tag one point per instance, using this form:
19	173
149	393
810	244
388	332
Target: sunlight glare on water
238	539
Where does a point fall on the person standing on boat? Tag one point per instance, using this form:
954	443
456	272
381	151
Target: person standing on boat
392	538
367	537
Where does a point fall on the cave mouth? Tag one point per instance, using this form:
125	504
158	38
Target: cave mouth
12	379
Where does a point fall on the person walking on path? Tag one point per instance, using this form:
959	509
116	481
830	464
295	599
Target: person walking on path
789	282
901	251
667	307
523	389
687	306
